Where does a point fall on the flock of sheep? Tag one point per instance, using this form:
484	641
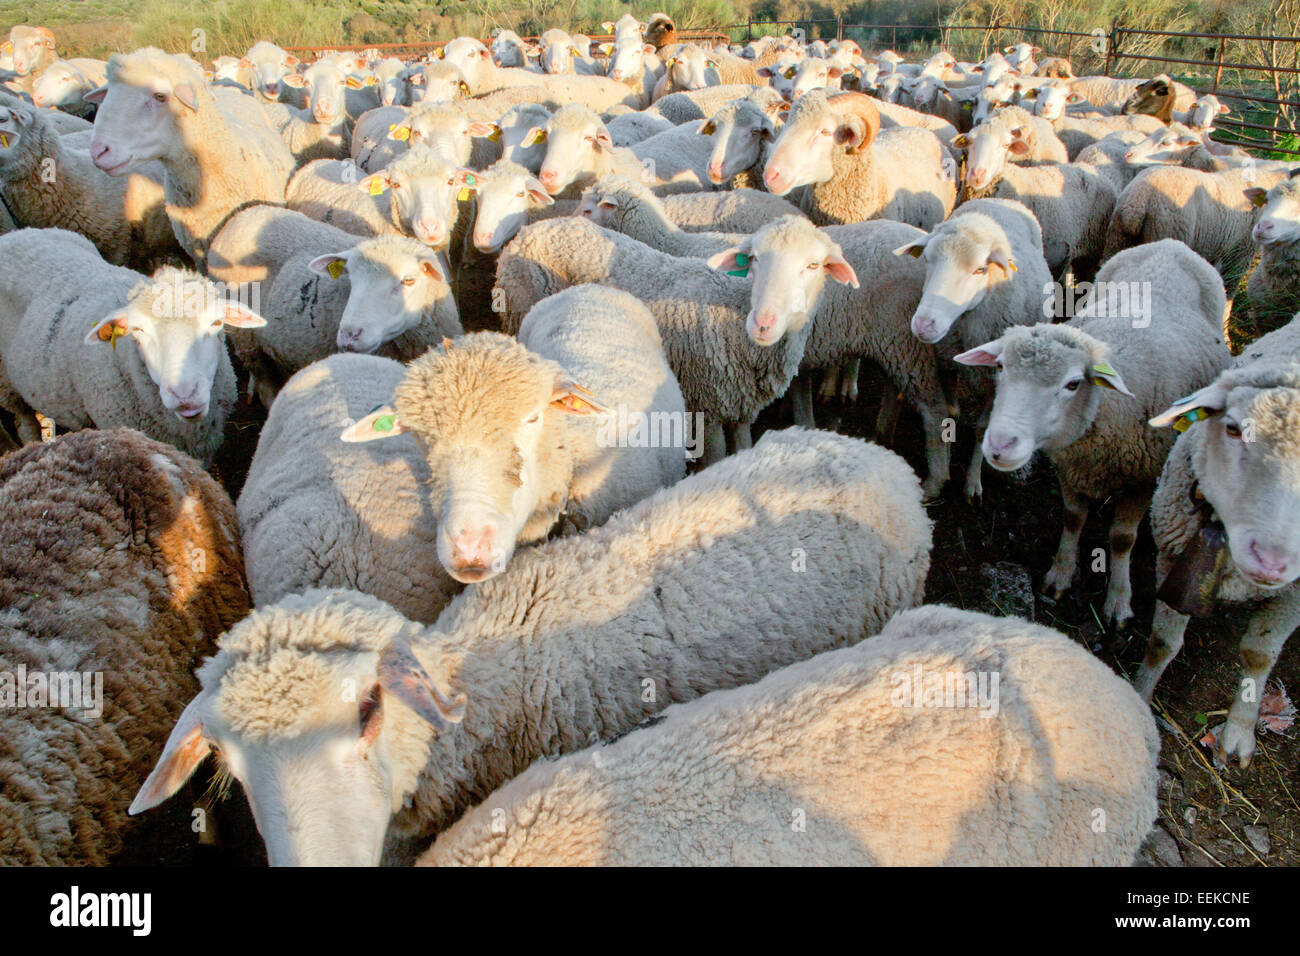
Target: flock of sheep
460	613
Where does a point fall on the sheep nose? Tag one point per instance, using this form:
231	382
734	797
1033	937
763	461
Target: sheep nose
548	177
977	175
764	323
1272	563
473	548
1001	448
483	241
181	393
98	151
617	74
348	337
715	172
923	326
431	229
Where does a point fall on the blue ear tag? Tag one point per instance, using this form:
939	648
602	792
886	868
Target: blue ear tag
742	260
1186	421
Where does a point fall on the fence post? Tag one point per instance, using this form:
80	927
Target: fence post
749	31
1218	73
1112	47
839	26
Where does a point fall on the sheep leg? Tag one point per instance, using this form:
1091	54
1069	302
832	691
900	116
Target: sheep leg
1260	647
974	472
1129	509
1061	575
1167	629
801	400
887	417
849	380
715	444
936	452
738	437
830	389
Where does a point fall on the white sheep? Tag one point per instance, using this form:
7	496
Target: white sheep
1225	522
718	781
167	372
1274	284
315	512
529	670
833	144
45	184
1153	315
507	463
157	106
64	82
120	566
599	93
323	289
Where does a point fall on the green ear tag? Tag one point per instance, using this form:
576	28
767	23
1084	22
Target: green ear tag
1187	420
384	423
742	260
1101	368
470	181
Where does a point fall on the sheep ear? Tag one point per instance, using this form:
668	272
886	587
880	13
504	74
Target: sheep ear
537	192
570	397
96	95
1031	94
708	129
239	316
913	249
1258	197
184	751
534	136
1224	109
375	183
989	354
838	268
331	265
734	261
185	93
291	60
1002	259
382	422
1102	374
432	269
1185	412
297	82
1018	146
401	674
483	129
400	132
961	141
108	329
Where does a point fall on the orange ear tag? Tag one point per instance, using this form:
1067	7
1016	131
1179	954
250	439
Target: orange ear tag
495	135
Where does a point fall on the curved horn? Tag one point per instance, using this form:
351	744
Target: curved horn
861	106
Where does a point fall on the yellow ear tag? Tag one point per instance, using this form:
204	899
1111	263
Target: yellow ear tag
335	268
1012	266
1102	368
399	133
495	135
4	140
463	195
111	333
1189	418
376	187
352	83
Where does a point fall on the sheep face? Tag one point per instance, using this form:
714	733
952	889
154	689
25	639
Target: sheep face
628	59
326	91
965	259
816	128
143	114
1248	466
1279	223
1153	98
492	419
33	47
992	97
575	141
1205	112
781	75
62	85
390	74
788	260
508	50
1049	385
443	129
506	194
988	148
558	52
424	193
176	323
739	132
300	705
814	74
15	120
690	68
443	83
269	65
1051	98
1167	146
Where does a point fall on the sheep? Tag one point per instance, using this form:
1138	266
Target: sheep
831	144
446	129
508	50
508	197
320	130
1072	202
1112	94
687	564
1109	157
121	559
1154	315
1224	521
628	206
1274	285
46	185
328	190
1207	211
683	107
585	341
1203	113
268	65
1037	141
634	63
214	161
515	125
1077	133
731	210
1178	145
1055	67
324	289
32	50
630	128
677	159
742	135
713	782
578	151
436	83
721	372
392	78
315	512
984	271
173	379
598	93
63	84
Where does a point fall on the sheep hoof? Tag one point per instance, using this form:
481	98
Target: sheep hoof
1239	741
849	392
1056	584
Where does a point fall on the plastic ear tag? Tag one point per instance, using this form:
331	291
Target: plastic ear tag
495	135
742	260
335	268
1012	266
4	140
353	83
463	195
384	423
1190	418
399	133
1101	368
376	186
110	333
789	74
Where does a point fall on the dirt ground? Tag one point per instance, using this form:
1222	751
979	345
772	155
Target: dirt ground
990	557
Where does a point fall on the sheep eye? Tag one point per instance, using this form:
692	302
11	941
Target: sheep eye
160	97
408	280
394	185
1232	429
1073	385
520	195
980	271
534	418
814	265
